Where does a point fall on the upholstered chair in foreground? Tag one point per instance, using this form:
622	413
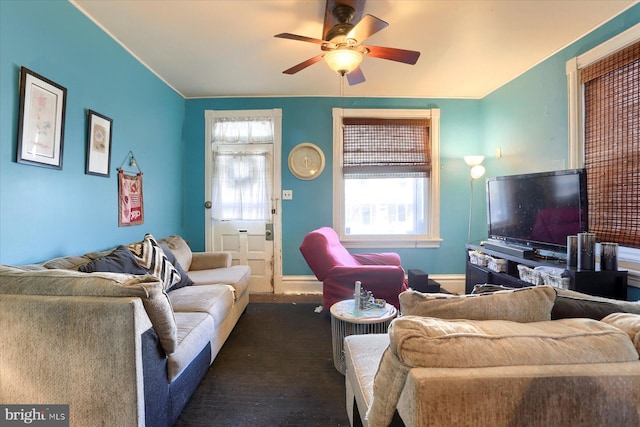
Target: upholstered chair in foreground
380	273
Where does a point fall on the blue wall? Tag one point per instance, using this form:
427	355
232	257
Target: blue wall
310	120
46	212
528	117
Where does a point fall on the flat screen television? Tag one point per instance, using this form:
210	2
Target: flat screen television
537	210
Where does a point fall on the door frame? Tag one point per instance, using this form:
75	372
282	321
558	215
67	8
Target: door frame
276	113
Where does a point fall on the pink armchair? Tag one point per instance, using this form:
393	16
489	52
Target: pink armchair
380	273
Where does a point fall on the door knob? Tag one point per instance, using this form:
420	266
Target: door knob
207	204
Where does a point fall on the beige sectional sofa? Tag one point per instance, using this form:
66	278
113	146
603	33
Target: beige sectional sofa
119	349
445	363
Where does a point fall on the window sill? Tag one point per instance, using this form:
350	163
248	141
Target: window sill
373	242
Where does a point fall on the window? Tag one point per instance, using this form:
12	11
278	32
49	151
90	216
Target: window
612	145
604	135
242	150
386	181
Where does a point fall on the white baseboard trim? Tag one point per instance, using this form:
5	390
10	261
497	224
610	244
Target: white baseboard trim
296	285
454	283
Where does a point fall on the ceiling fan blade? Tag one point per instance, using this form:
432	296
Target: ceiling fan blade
355	77
330	20
368	26
301	66
299	38
400	55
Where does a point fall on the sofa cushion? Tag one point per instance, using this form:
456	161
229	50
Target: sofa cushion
628	322
431	342
74	283
185	280
67	263
567	306
180	249
150	255
216	300
32	267
238	276
195	331
625	306
532	304
120	260
362	357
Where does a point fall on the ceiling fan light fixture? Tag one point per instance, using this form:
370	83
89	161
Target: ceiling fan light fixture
343	61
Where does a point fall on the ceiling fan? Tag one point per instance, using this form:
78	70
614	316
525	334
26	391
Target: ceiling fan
342	42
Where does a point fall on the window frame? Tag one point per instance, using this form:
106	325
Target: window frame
431	238
576	95
629	257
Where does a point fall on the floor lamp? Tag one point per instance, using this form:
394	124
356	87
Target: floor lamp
477	171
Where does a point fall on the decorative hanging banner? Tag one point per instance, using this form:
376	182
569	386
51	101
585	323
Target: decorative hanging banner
130	203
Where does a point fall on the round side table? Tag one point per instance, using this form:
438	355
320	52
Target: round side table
345	322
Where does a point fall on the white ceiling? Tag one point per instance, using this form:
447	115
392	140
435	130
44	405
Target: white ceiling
213	48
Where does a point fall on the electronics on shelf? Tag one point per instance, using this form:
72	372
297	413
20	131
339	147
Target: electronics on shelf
532	212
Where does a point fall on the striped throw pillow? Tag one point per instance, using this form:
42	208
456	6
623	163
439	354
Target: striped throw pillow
150	256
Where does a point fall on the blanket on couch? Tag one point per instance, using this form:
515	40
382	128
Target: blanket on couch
431	342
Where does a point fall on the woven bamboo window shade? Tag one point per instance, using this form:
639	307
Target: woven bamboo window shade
375	148
612	146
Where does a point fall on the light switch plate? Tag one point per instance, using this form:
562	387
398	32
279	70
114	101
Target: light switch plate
287	194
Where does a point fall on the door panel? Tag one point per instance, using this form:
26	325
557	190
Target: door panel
248	245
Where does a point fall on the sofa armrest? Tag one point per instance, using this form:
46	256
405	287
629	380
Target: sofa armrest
77	350
210	260
380	258
369	275
544	395
384	281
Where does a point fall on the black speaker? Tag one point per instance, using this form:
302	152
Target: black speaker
419	281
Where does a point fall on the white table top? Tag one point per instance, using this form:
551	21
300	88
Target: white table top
344	310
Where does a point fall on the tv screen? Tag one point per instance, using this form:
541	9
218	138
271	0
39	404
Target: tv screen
537	210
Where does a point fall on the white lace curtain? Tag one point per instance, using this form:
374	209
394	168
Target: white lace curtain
242	168
243	130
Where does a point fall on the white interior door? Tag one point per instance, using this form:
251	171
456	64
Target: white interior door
255	243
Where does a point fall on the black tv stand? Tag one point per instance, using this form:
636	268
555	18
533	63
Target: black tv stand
505	248
607	284
546	254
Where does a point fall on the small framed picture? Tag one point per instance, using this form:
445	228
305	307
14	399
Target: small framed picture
40	121
99	130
